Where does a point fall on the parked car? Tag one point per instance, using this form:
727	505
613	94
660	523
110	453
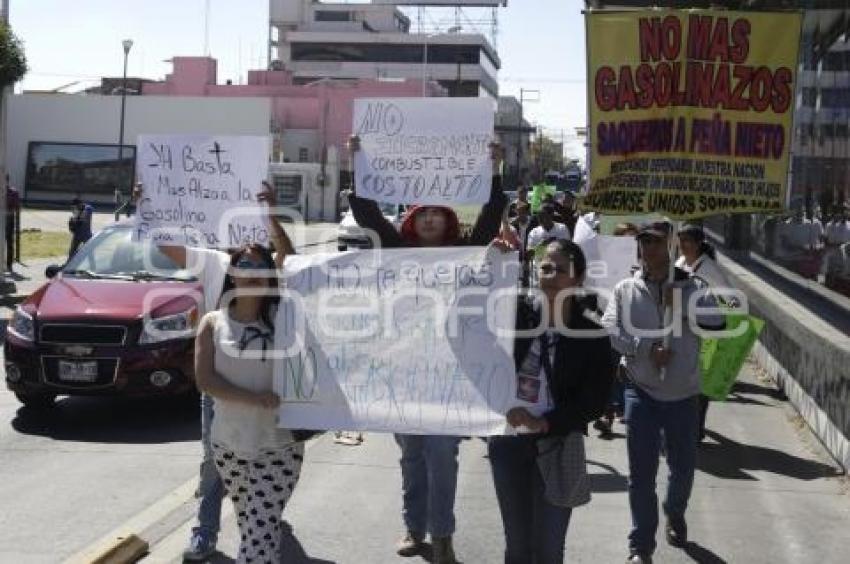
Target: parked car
109	322
349	234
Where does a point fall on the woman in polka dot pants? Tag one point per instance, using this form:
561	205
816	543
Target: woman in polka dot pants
259	462
259	489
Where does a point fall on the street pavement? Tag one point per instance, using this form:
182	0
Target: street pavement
765	490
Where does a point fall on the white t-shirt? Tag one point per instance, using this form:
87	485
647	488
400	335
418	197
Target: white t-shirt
707	269
210	266
540	234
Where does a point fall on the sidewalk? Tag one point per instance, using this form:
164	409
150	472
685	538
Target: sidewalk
765	492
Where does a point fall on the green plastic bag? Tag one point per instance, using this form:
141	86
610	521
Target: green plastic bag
721	359
538	194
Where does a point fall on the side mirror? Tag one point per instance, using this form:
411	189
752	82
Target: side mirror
52	270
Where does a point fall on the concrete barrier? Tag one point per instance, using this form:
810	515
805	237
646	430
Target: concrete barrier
805	347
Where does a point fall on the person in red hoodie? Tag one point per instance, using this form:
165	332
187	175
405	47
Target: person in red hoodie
429	462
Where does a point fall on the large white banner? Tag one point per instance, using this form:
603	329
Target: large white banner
408	340
424	151
201	190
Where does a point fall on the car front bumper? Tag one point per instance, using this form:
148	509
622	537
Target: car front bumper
120	371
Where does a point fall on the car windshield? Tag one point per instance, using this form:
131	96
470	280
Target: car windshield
112	254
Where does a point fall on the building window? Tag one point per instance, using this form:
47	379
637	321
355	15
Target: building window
303	155
386	53
332	16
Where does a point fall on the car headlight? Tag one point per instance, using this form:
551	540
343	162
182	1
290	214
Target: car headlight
170	327
22	325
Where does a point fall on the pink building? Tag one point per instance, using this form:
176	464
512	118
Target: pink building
306	119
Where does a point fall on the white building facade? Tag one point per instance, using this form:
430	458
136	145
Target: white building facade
347	41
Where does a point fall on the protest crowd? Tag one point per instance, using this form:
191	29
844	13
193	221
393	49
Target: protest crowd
589	363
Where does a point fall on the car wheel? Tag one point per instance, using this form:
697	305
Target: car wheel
36	400
342	248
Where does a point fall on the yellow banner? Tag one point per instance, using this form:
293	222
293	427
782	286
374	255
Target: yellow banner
690	111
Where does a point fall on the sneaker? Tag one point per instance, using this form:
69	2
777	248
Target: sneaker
201	547
410	545
444	553
639	558
676	532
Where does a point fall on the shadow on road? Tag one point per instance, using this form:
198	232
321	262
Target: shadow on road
114	420
291	551
755	389
730	459
701	554
611	481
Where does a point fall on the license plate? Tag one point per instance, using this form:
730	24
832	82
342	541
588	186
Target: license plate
77	371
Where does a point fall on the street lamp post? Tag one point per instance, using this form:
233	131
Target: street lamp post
127	44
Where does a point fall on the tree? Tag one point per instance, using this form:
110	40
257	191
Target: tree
13	62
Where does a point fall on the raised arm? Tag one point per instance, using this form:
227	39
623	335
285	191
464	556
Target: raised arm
367	214
282	243
489	221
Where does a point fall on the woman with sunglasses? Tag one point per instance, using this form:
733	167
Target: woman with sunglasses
563	379
258	462
211	267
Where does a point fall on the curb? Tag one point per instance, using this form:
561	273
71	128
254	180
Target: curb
126	550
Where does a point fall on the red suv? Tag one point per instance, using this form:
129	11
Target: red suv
118	319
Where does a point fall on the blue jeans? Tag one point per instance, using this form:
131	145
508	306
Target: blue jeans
429	482
647	417
210	489
535	530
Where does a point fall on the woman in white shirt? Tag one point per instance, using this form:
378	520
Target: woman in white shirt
259	463
699	259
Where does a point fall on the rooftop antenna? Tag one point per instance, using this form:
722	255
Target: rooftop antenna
207	28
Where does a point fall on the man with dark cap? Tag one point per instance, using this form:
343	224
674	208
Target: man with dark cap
663	383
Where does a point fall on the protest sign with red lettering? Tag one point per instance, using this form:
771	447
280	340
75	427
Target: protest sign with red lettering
691	111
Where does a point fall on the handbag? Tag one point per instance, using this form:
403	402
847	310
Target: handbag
563	466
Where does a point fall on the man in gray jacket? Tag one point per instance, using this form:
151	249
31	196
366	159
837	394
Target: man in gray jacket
663	383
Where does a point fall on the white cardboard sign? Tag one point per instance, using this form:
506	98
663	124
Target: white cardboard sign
200	190
398	341
424	151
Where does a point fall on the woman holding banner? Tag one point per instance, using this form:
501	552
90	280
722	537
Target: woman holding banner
564	375
258	462
429	462
211	267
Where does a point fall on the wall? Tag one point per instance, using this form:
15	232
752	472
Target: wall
807	355
95	119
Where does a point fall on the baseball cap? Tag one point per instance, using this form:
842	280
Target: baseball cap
658	229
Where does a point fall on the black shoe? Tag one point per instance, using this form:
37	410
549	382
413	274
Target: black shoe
639	558
677	532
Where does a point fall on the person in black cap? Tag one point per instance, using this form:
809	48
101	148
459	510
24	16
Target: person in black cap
662	384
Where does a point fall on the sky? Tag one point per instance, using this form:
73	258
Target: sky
541	44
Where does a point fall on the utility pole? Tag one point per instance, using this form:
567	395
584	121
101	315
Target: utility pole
6	287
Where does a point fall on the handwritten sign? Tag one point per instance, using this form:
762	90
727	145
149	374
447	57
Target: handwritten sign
409	341
200	191
417	151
